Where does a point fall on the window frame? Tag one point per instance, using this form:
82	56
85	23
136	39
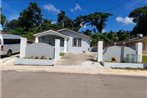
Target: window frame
78	42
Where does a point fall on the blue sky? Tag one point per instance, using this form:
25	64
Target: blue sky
73	8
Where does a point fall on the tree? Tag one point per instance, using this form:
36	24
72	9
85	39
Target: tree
30	17
97	19
64	20
47	25
13	24
139	16
3	19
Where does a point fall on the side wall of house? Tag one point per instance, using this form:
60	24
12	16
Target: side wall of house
70	48
133	45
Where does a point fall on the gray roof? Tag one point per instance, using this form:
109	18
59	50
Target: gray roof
74	32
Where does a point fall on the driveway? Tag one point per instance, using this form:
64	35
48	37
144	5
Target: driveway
76	58
59	85
4	60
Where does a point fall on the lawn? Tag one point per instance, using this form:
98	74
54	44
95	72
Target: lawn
144	59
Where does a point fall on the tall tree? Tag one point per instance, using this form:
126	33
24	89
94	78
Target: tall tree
97	19
64	20
31	16
139	16
3	19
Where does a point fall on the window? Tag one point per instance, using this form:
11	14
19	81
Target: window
77	42
144	46
11	41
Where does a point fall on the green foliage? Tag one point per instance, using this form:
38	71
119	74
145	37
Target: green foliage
3	20
63	20
139	16
144	59
97	19
109	37
62	54
30	17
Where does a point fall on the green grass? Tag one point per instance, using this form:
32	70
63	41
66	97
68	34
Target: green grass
144	59
127	68
62	54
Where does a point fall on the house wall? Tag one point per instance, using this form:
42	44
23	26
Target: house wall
50	39
70	48
133	44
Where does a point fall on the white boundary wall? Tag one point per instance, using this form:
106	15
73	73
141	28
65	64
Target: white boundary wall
100	51
57	49
125	65
23	45
139	47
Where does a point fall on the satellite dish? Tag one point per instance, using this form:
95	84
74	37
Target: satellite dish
140	35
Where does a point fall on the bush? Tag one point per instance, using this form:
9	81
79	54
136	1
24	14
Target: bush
144	59
113	59
62	54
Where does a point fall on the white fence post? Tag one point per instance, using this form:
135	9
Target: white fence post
23	45
100	51
65	45
139	47
57	49
36	39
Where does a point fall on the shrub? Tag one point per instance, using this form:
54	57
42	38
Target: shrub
42	57
36	57
50	58
144	59
113	59
62	54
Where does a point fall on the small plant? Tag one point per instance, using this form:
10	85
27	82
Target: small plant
50	58
36	57
107	61
84	51
113	59
123	61
31	57
42	57
62	54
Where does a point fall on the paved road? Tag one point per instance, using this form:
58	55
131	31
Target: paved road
59	85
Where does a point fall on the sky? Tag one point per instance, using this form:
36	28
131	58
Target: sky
73	8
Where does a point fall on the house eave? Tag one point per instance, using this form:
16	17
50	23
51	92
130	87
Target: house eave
74	32
48	32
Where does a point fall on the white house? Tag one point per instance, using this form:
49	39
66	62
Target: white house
70	41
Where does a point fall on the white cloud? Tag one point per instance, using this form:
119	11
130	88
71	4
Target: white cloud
103	31
53	22
51	8
125	20
77	7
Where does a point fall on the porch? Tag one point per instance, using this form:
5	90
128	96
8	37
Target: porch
49	37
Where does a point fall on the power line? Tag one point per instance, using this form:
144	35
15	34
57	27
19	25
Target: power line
118	5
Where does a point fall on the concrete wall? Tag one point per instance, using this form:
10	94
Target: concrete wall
125	65
39	50
118	52
70	48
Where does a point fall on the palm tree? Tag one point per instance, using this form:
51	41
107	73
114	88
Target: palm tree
61	16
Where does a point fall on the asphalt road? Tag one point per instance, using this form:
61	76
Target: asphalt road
61	85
